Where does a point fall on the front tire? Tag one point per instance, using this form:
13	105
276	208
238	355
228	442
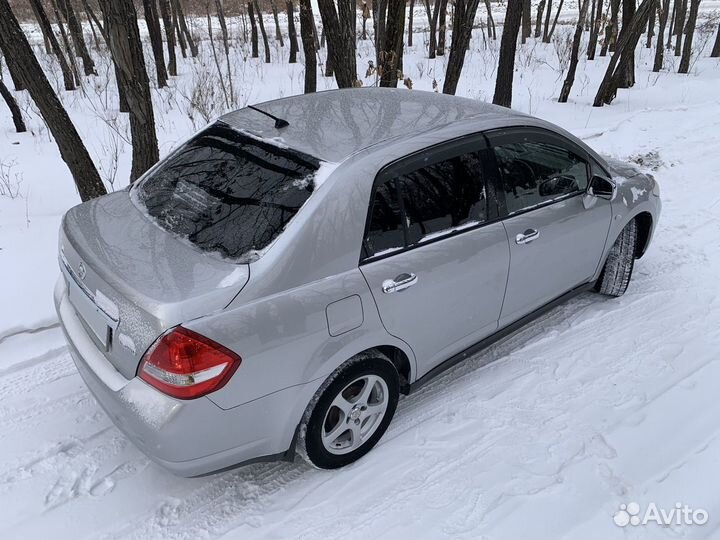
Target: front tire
352	411
616	273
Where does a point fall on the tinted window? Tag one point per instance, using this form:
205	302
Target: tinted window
385	231
228	193
443	196
537	172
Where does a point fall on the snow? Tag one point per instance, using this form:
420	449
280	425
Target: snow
599	403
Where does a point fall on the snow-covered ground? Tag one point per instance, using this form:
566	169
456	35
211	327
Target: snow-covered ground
602	402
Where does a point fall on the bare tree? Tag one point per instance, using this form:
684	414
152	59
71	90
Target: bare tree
178	31
278	33
44	23
570	78
341	50
660	45
611	28
490	20
182	25
433	17
292	32
166	14
14	43
526	20
508	46
76	31
411	13
463	18
220	8
539	18
548	14
153	25
716	48
392	48
307	31
127	54
263	33
628	40
66	41
442	27
253	31
595	30
690	32
13	106
554	24
627	78
680	25
651	26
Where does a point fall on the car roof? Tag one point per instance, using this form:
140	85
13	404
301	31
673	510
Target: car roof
335	124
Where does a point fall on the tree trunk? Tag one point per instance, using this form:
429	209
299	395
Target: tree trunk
392	49
491	20
554	24
166	14
672	24
463	19
66	42
44	23
14	71
223	25
182	23
506	63
660	45
178	31
548	14
153	25
595	30
680	26
411	10
93	17
716	48
526	20
76	31
627	79
292	32
263	33
14	43
433	19
651	28
539	18
341	53
611	28
13	106
347	15
570	78
625	49
442	27
307	30
127	54
253	31
278	33
687	48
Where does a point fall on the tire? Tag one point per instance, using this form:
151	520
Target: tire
343	401
615	276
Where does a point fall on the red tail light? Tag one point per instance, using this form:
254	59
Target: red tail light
186	365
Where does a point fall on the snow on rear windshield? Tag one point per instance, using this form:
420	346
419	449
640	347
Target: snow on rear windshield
228	192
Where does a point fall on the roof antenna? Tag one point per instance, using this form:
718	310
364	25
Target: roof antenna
279	122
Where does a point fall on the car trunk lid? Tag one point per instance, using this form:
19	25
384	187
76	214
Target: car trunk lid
129	280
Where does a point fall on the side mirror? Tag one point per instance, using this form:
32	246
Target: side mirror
601	187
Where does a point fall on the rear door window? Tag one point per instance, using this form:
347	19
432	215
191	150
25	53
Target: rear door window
227	192
425	203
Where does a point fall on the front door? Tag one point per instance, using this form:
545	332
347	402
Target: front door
435	258
556	231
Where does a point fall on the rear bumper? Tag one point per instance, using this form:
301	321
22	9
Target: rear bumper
189	438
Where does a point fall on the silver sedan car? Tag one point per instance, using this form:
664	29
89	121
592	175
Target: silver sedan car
273	285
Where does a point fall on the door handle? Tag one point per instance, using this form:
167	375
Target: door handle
400	283
527	237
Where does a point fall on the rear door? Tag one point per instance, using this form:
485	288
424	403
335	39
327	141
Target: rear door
555	230
435	256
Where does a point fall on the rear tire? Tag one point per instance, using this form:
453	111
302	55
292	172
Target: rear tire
615	276
351	412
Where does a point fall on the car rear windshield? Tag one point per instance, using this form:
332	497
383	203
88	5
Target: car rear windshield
228	192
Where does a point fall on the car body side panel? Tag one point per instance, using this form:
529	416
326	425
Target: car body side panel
457	298
283	339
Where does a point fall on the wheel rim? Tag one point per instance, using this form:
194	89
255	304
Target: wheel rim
355	414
